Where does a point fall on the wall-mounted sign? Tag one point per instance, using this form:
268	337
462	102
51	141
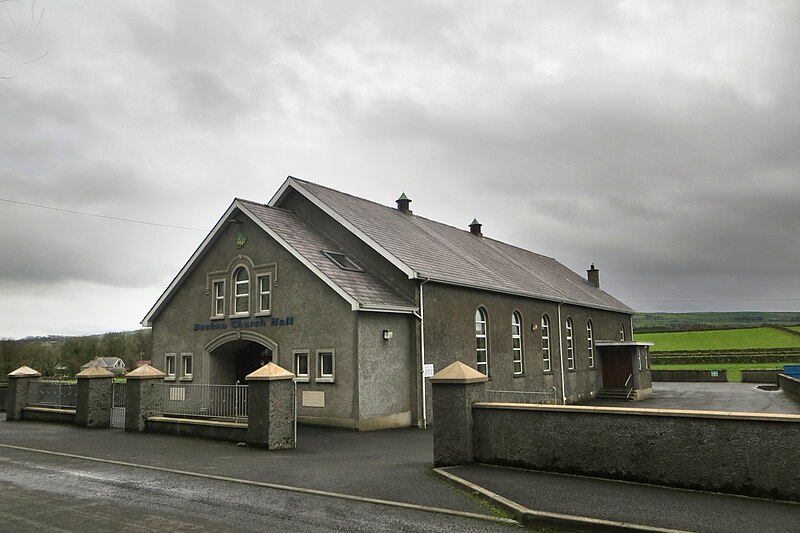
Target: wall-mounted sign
239	323
427	371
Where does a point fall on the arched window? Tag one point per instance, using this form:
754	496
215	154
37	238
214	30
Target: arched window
481	341
570	346
590	342
516	342
621	331
546	361
241	291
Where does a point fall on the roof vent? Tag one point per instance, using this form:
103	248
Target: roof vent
475	228
593	276
403	204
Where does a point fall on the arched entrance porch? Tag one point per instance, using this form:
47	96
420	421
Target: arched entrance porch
234	355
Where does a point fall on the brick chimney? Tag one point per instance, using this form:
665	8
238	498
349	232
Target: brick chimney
593	276
475	228
403	204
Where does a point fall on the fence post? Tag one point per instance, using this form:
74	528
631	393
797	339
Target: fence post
144	397
454	388
270	408
93	409
18	385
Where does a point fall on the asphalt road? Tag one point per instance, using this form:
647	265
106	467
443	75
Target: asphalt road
51	493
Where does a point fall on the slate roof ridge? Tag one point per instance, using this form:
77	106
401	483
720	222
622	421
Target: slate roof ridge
417	216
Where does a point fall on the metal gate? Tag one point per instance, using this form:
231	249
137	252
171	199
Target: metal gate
119	398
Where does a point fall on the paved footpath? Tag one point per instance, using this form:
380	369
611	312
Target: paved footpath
394	469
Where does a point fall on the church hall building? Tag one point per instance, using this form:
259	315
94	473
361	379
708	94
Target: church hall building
363	302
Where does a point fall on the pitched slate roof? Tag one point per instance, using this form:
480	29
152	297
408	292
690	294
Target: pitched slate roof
425	248
367	289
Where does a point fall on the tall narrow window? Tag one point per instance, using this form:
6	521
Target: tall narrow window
264	290
169	363
516	342
570	346
241	291
187	360
621	331
219	298
590	342
481	344
546	361
325	362
301	365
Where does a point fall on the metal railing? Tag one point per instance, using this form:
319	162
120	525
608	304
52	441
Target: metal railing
516	396
119	401
629	389
57	394
219	402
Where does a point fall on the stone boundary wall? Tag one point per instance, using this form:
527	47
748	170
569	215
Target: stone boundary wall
689	375
790	386
760	376
48	414
204	429
739	453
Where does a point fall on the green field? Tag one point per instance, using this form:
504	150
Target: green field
795	328
712	320
723	339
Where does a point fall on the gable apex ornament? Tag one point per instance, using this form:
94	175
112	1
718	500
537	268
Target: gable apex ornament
240	240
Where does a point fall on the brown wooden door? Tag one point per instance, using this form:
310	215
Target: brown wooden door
616	369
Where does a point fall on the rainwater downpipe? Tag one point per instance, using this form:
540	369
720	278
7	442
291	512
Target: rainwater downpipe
561	357
421	317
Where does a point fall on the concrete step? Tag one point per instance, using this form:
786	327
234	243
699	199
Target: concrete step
614	394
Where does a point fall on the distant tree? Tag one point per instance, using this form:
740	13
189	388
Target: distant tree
19	33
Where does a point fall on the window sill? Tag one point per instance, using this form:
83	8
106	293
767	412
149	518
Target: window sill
519	375
240	315
264	313
323	380
186	378
217	317
169	378
302	379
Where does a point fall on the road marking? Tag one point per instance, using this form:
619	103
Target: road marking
274	486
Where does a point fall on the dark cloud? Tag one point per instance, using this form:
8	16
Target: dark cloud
657	140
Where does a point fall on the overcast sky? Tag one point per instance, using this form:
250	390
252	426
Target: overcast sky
659	140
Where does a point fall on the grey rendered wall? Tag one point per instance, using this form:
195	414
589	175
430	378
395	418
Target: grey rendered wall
740	453
386	369
321	320
790	386
450	336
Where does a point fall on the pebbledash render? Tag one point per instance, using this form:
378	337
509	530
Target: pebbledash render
362	302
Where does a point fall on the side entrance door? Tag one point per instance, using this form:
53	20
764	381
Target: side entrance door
616	369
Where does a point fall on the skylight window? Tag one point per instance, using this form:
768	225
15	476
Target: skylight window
342	261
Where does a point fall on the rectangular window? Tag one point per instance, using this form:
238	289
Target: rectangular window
169	365
218	305
187	362
301	365
325	362
264	291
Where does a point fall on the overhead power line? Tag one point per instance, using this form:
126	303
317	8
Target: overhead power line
108	217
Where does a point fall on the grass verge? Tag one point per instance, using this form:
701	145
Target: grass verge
734	369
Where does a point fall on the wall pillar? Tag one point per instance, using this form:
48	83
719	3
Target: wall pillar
270	408
18	384
455	389
144	397
93	408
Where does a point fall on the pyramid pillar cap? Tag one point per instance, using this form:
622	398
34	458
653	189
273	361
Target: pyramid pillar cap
458	373
94	372
145	372
25	372
269	372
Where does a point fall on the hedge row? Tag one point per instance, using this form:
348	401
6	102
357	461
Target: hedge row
760	358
